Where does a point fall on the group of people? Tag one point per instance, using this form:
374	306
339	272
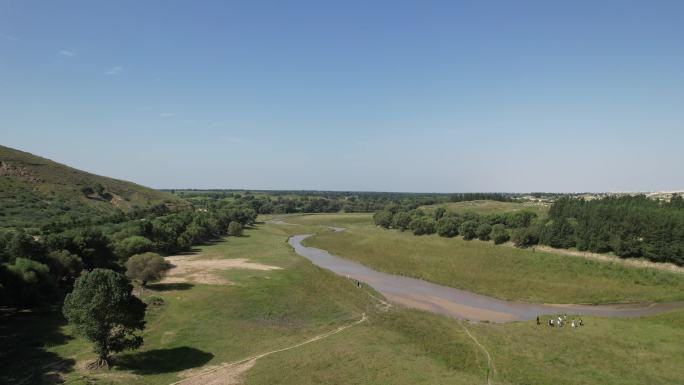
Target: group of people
561	321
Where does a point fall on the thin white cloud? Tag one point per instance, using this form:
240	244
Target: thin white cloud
233	139
4	36
114	70
67	53
166	114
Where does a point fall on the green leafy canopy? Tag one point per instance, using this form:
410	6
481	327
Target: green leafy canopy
103	309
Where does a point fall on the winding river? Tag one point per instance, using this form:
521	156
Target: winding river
419	294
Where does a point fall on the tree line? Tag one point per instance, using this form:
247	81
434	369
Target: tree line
39	268
628	226
286	202
498	227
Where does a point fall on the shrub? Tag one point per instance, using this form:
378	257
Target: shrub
235	229
401	220
526	236
468	230
422	225
483	231
499	234
154	301
146	267
383	218
135	244
447	227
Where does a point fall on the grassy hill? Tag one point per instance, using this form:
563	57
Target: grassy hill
35	191
486	207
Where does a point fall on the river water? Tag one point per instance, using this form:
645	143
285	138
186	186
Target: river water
416	293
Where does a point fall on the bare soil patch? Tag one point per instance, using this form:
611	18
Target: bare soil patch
201	270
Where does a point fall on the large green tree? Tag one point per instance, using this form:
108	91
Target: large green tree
132	245
103	309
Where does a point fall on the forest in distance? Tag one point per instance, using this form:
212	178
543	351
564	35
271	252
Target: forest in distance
57	222
98	263
628	226
39	265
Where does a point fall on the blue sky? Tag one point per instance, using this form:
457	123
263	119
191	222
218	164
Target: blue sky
350	95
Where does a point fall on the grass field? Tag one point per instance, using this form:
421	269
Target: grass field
204	325
628	351
485	207
499	271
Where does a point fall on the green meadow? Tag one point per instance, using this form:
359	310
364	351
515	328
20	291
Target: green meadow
495	270
200	326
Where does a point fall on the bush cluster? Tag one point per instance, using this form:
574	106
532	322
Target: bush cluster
629	226
498	227
40	268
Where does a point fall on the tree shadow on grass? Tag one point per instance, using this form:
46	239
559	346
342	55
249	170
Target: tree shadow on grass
170	286
163	360
210	242
191	252
24	337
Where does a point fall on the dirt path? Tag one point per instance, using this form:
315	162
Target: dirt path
228	373
491	373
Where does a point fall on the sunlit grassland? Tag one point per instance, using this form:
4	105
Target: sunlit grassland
202	325
378	352
499	271
626	351
337	219
486	207
264	310
644	350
